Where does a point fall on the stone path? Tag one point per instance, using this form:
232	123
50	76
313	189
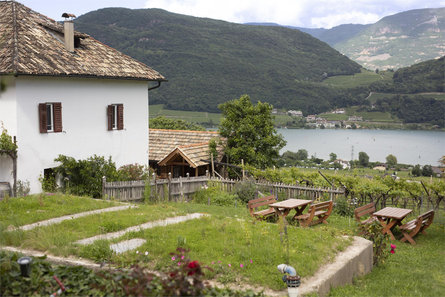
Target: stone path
71	217
127	245
137	228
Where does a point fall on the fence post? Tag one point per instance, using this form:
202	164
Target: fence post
181	190
169	186
104	180
155	187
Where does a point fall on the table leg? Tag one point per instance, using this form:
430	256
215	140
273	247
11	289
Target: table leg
298	211
387	227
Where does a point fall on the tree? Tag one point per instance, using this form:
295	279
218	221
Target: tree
391	160
302	154
332	157
427	170
442	161
416	171
250	133
363	159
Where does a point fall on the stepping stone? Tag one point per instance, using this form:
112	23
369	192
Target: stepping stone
71	217
167	221
127	245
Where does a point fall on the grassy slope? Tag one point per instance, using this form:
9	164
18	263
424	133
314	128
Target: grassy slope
230	237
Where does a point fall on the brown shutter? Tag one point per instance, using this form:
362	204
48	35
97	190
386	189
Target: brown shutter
42	117
57	108
110	117
120	117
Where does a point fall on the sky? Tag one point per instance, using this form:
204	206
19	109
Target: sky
299	13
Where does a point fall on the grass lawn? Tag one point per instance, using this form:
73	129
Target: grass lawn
34	208
230	236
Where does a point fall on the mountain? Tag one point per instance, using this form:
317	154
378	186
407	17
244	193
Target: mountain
208	62
395	41
398	40
336	34
330	36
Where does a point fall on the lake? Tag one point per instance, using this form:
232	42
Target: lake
410	147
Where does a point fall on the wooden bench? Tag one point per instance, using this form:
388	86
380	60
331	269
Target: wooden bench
320	210
256	203
410	229
363	211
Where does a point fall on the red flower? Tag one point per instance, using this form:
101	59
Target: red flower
193	264
194	267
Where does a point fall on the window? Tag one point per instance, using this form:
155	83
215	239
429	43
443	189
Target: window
115	115
50	117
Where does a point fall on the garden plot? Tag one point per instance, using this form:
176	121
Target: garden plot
236	248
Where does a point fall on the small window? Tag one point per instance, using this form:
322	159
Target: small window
115	115
50	117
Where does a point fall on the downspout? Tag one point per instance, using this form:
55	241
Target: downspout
155	87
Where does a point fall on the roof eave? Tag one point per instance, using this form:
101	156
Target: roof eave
85	76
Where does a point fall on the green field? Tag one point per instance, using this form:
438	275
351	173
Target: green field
375	96
364	78
385	117
203	118
198	117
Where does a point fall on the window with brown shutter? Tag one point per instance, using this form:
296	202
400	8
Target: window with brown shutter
110	117
115	116
50	117
57	111
42	117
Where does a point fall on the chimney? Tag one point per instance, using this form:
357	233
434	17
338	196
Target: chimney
68	31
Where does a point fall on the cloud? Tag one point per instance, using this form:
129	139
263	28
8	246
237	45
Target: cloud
304	13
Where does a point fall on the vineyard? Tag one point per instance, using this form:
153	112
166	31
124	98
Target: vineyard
385	191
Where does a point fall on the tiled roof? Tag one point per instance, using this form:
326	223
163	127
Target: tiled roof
194	145
33	44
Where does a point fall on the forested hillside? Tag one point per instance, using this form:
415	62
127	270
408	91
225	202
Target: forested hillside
425	77
208	62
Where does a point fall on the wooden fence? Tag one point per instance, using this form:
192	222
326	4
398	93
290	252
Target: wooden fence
182	188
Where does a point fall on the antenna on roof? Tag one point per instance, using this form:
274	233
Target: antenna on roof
68	16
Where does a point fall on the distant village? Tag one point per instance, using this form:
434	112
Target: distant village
314	121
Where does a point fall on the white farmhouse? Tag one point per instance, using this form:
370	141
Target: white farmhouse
66	93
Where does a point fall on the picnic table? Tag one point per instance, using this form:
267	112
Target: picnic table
283	208
389	217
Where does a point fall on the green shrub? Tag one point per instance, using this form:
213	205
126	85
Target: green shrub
245	191
215	196
373	232
84	177
343	207
133	172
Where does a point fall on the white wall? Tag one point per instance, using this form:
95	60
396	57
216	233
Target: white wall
84	120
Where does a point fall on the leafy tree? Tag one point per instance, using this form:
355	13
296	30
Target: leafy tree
302	154
416	171
442	160
250	133
363	159
332	157
427	170
391	160
164	123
